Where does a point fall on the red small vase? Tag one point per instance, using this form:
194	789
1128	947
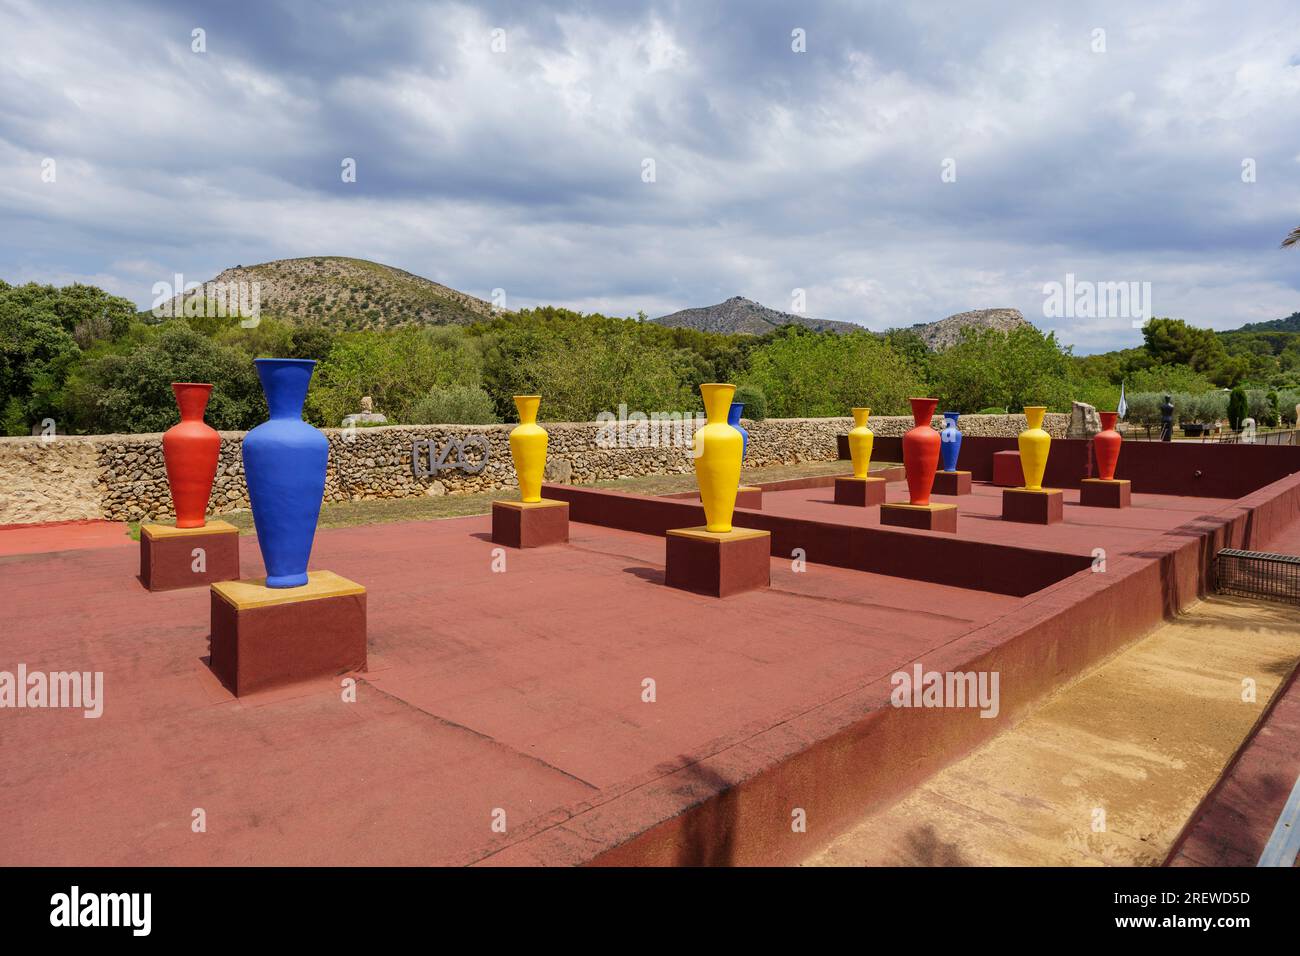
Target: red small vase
190	450
921	451
1106	444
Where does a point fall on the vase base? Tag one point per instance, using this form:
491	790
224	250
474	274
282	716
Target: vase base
265	637
931	517
1105	492
717	563
530	524
951	483
279	581
862	492
1033	505
172	558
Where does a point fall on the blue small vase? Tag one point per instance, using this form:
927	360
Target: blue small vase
284	467
949	441
733	419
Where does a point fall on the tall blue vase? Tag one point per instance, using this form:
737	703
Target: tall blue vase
733	419
284	466
949	441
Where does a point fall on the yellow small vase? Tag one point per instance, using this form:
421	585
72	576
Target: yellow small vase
860	440
1034	445
528	448
718	449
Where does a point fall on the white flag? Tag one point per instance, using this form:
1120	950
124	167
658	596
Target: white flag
1123	405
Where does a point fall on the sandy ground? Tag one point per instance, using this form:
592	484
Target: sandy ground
1107	770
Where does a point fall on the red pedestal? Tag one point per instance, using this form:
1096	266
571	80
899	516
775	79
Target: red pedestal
1006	469
718	564
530	524
172	558
863	492
1105	493
951	483
1043	506
931	517
265	637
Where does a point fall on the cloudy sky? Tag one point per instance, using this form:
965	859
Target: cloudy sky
914	160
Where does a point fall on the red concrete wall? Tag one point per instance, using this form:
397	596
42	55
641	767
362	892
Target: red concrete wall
1000	569
858	753
1162	468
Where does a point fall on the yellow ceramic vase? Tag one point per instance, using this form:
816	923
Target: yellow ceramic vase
1034	445
718	449
528	448
860	439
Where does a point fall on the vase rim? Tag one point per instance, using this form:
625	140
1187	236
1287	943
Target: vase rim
526	396
1035	408
287	361
207	385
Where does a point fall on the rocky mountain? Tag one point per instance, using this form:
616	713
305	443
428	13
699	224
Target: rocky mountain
349	294
945	332
741	316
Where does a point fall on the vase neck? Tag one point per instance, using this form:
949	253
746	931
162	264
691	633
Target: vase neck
284	383
734	412
923	410
527	406
1034	415
1108	420
860	416
717	400
191	399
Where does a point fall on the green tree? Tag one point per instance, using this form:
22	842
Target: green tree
397	368
815	374
1238	408
1003	369
131	392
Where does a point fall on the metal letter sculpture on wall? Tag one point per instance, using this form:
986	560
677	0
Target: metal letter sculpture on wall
426	459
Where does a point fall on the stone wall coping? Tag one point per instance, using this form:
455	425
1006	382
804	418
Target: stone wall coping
147	437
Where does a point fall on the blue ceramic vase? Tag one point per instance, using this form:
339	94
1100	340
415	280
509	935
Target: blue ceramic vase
949	441
284	466
733	419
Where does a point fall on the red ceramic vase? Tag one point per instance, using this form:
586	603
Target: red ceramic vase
190	450
921	451
1106	444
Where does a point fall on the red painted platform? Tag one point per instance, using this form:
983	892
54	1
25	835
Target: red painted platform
524	691
63	536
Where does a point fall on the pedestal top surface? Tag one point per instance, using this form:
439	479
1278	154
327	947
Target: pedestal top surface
735	534
252	593
171	531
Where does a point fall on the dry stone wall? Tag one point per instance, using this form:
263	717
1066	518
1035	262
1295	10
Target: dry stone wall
123	477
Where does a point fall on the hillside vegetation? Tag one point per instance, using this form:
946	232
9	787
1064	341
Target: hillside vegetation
351	294
86	360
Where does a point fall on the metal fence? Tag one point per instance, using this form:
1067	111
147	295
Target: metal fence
1225	437
1257	574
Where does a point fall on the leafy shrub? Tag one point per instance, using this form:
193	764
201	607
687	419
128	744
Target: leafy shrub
755	402
454	405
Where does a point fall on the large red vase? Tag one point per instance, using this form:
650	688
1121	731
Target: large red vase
190	450
1106	444
921	451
